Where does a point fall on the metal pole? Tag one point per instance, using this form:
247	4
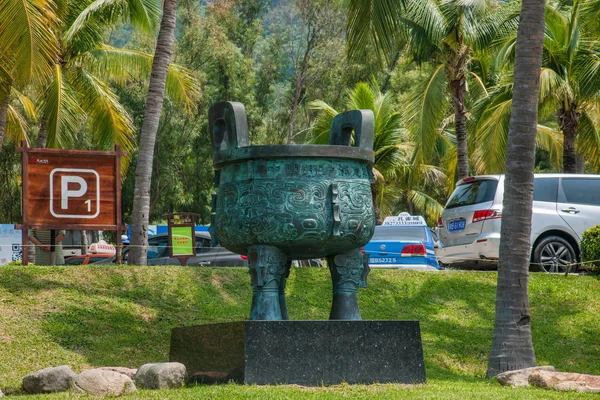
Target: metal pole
52	247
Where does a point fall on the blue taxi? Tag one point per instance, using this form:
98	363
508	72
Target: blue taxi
403	241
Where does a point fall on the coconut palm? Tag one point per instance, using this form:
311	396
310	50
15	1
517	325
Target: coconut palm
28	49
393	167
491	118
78	89
570	80
512	346
154	103
449	33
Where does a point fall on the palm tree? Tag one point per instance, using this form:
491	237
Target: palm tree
512	346
491	121
154	103
28	49
570	79
392	151
446	32
76	88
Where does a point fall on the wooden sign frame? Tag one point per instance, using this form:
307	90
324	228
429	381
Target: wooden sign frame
173	221
45	222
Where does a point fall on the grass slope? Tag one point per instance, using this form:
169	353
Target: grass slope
99	316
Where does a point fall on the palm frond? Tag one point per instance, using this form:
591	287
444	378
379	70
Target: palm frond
550	82
322	124
449	162
361	97
550	140
372	24
16	126
588	138
60	111
26	104
427	205
122	64
427	27
484	21
112	125
424	113
86	31
28	43
492	135
586	66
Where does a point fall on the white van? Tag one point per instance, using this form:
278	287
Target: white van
564	206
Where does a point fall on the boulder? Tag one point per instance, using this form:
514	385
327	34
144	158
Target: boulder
519	377
49	380
130	372
566	381
161	375
102	382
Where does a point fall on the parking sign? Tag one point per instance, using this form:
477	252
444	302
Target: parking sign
71	189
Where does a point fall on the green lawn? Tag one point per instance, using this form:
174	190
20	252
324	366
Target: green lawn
99	316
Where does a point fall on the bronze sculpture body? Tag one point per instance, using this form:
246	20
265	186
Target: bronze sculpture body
285	202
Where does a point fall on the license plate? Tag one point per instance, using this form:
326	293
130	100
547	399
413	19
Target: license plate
457	225
382	260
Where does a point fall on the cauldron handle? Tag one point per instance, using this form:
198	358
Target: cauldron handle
363	124
228	126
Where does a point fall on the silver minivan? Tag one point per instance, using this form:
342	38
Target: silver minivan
564	206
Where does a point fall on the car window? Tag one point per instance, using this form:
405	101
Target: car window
545	189
400	233
157	248
474	192
582	191
202	245
434	235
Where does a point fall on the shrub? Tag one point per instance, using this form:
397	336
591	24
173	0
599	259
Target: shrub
590	248
18	263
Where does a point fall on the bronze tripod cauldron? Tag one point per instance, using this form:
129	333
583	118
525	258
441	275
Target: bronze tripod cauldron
292	202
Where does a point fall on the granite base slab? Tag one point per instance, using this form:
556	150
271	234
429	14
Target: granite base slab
310	353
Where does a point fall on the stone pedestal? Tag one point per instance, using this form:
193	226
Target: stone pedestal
308	353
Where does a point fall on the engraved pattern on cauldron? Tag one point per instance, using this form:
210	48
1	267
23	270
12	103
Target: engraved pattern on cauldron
276	212
272	212
295	169
357	220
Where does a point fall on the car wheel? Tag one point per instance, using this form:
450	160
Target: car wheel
553	254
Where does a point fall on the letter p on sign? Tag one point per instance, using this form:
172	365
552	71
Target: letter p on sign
74	193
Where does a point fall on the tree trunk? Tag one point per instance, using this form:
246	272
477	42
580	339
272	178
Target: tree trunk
293	113
580	164
40	142
458	90
3	113
376	210
84	242
154	103
568	121
512	346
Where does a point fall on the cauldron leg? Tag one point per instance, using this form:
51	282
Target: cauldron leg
267	271
282	303
346	271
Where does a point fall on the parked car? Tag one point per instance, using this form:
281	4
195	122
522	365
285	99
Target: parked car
564	205
404	241
158	253
87	259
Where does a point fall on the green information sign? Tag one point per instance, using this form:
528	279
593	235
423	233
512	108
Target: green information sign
183	240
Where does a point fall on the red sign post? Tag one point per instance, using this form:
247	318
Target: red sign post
71	190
